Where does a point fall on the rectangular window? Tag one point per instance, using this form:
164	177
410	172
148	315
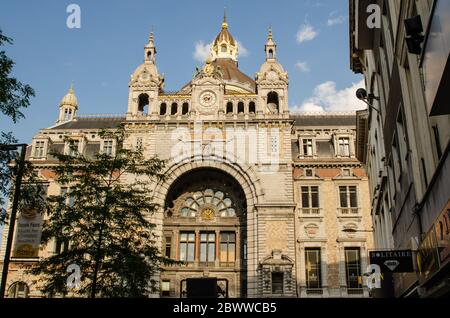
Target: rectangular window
139	144
312	265
61	245
344	147
207	247
168	248
348	198
353	268
69	198
274	147
39	149
187	246
165	288
310	199
73	147
227	247
277	283
307	147
108	147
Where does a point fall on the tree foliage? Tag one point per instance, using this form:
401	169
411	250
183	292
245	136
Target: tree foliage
106	221
14	96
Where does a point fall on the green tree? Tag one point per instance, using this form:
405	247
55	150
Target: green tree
14	96
106	222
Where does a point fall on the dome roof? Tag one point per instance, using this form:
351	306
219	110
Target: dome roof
224	46
70	99
224	36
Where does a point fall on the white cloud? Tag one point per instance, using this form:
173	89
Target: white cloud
326	98
302	66
202	51
306	33
336	20
243	52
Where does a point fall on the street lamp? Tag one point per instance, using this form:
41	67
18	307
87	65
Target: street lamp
362	95
18	183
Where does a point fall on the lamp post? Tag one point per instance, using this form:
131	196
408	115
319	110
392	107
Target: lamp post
361	94
17	185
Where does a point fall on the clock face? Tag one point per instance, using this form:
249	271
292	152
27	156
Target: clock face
207	98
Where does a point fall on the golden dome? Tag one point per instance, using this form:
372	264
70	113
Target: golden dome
70	99
224	35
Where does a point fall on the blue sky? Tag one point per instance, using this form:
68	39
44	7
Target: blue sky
312	39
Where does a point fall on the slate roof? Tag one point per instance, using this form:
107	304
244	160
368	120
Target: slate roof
91	123
324	120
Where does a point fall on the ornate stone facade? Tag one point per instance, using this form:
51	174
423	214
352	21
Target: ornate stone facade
233	205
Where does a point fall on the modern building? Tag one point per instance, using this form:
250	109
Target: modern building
272	204
402	48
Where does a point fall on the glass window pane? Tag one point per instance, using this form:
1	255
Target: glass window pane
223	252
211	252
315	197
343	196
353	197
203	252
190	253
231	252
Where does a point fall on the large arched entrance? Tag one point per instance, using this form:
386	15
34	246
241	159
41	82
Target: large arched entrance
205	215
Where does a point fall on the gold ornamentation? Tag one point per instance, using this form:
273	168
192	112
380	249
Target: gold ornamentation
208	214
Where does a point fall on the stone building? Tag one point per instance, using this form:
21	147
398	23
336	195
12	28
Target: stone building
272	204
404	138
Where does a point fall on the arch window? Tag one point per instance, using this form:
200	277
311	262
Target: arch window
163	109
229	108
174	109
240	107
143	102
273	101
252	107
270	54
223	48
18	290
208	204
185	109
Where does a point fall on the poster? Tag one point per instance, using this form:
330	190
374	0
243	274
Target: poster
28	234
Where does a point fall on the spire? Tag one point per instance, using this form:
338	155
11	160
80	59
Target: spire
149	49
269	36
224	46
224	23
270	47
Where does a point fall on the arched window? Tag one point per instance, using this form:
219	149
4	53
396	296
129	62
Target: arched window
143	102
174	109
252	107
18	290
185	109
270	54
223	48
196	205
229	108
240	107
163	109
272	101
149	55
